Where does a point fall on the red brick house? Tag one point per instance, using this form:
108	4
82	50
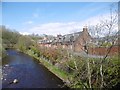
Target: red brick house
75	41
82	41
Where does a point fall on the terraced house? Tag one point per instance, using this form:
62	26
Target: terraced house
75	41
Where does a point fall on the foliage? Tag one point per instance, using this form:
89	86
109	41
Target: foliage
2	50
24	43
51	54
12	39
61	62
111	72
9	37
78	70
106	44
35	51
35	37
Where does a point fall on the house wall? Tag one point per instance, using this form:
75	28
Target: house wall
67	47
82	40
41	45
78	44
103	50
78	48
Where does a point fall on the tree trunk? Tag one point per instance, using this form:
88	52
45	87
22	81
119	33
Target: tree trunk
101	73
89	73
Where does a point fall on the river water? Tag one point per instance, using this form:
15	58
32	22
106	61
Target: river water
28	71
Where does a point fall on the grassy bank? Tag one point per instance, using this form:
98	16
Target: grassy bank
83	70
59	73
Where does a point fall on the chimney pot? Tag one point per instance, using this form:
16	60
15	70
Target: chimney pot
85	29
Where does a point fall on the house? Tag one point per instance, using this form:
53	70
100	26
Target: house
82	41
46	41
75	41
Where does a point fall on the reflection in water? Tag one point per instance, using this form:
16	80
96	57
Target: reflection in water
27	71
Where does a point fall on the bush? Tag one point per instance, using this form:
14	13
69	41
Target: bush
111	72
77	67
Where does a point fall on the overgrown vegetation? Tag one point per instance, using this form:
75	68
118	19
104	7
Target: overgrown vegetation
76	71
79	71
13	39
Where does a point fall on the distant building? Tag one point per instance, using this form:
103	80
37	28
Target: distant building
82	41
75	41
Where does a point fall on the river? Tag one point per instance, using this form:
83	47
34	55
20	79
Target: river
28	71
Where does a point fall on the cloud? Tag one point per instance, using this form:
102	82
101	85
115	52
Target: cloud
28	22
24	33
65	28
55	28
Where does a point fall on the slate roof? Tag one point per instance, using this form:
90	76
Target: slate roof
65	39
69	38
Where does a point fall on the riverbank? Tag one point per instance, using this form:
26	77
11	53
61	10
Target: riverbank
56	71
28	72
76	82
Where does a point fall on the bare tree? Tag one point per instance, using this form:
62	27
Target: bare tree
107	24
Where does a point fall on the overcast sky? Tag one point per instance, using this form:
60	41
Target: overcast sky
52	17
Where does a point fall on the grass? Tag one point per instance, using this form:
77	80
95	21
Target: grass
95	63
61	74
58	72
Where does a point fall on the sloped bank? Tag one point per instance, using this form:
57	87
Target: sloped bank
110	65
56	71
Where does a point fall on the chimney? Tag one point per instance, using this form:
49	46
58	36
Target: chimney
59	35
85	29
